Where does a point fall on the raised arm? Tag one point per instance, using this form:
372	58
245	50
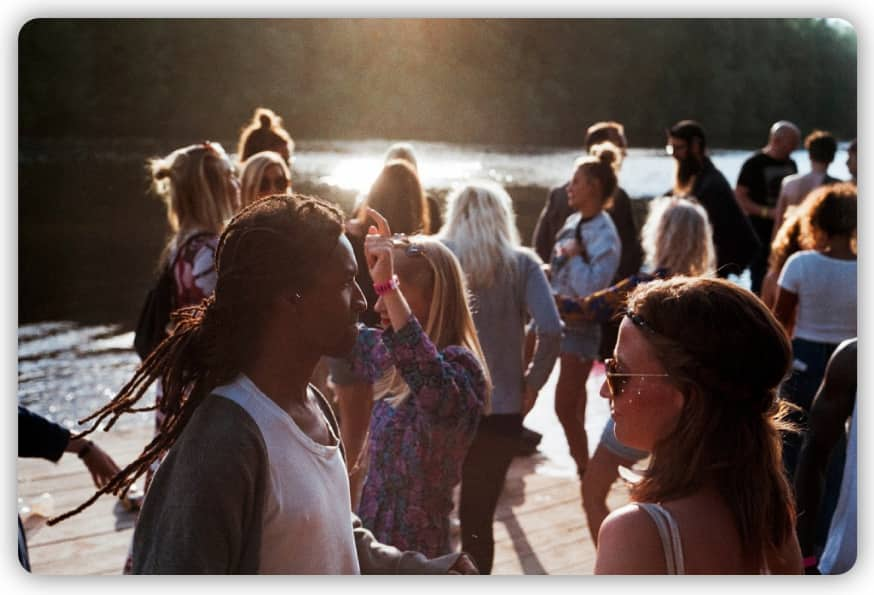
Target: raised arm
448	384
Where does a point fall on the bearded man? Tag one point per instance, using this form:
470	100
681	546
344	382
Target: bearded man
696	177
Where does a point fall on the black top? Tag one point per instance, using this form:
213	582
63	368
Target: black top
761	174
39	437
733	236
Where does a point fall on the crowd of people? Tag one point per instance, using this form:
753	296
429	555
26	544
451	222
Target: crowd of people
433	330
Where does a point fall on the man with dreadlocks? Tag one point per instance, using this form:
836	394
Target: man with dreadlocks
255	479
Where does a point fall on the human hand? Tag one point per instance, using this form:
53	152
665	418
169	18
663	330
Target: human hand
99	463
464	565
378	249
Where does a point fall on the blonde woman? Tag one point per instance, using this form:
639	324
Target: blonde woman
431	387
507	284
585	258
397	194
677	239
198	185
201	191
263	174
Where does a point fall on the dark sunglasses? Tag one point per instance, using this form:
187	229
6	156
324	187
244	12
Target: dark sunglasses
616	381
280	185
410	249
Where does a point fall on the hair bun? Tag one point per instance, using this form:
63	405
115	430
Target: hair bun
265	119
606	153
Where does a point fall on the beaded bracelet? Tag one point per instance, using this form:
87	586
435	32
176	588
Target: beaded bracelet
387	286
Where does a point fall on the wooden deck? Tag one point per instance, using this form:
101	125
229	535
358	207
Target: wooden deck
539	525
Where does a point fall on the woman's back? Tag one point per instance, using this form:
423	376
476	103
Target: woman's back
500	311
826	290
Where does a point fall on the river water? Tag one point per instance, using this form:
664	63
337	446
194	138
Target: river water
88	239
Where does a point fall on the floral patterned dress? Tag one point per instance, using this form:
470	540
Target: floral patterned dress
417	448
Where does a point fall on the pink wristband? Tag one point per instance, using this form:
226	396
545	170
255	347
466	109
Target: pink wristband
809	561
387	286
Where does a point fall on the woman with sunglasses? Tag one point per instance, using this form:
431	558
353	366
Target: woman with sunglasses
677	239
694	382
263	174
430	385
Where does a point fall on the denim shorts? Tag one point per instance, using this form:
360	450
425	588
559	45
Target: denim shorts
611	443
584	341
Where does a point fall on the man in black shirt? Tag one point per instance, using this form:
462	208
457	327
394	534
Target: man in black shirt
696	177
758	188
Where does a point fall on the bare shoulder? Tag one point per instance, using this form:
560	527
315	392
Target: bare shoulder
629	543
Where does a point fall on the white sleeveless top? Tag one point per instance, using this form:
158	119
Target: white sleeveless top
670	536
306	525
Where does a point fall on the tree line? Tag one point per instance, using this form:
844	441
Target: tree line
483	81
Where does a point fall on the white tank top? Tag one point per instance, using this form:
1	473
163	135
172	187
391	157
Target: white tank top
307	523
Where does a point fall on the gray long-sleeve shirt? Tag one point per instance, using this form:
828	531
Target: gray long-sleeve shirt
574	274
499	313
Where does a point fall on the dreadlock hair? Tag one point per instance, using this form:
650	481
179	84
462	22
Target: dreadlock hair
723	348
274	245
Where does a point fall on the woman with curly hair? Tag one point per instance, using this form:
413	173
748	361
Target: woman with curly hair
817	289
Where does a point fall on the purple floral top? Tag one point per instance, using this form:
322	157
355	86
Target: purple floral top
417	449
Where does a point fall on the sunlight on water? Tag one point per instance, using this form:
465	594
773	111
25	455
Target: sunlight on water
359	173
356	173
354	165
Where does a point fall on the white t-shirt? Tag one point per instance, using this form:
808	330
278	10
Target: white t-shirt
826	289
307	516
